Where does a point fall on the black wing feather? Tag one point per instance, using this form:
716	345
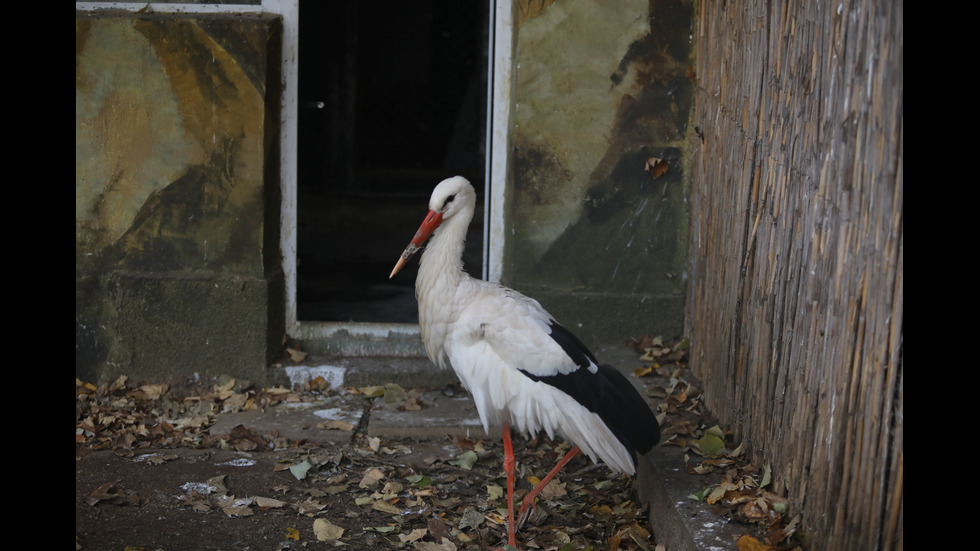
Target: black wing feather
568	342
606	393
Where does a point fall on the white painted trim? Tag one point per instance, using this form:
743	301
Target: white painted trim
288	132
498	134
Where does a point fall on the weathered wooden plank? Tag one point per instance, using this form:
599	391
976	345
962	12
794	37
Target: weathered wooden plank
797	225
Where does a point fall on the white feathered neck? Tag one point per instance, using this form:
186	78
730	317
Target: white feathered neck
440	276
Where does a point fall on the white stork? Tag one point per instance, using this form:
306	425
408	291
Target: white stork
518	363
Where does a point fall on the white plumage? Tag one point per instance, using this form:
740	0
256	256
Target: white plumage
520	366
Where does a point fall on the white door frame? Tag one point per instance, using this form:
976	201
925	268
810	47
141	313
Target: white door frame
500	80
499	102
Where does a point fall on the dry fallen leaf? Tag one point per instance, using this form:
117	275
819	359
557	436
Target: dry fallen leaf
553	490
639	535
446	545
394	394
154	392
412	404
494	492
385	507
371	478
375	391
657	167
159	459
393	488
296	355
320	384
336	424
109	493
749	543
414	535
310	507
299	470
326	530
438	528
465	460
236	511
709	445
381	529
470	519
268	502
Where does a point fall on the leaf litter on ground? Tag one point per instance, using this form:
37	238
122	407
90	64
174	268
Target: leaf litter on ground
454	502
741	495
357	492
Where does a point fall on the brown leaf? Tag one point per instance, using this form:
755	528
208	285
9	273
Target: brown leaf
639	534
642	343
326	530
445	545
109	493
320	384
553	490
371	478
235	511
757	509
412	536
748	543
657	167
412	404
154	392
243	439
385	507
296	355
269	503
438	529
336	424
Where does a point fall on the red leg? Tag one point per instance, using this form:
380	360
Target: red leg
528	502
509	464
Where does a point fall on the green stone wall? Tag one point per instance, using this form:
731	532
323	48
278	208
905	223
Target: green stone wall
177	261
602	87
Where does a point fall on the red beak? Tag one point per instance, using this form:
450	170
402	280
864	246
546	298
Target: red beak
429	225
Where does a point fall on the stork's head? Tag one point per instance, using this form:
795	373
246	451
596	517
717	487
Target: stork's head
450	197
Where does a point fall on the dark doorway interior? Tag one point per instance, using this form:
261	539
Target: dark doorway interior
392	100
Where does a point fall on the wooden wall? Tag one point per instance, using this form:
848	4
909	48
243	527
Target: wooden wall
796	312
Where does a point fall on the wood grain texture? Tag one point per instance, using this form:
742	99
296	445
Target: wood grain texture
796	313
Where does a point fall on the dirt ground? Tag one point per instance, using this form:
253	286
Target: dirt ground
147	478
190	465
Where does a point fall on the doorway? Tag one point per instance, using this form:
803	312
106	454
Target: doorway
392	99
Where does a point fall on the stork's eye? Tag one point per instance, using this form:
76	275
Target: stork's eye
448	200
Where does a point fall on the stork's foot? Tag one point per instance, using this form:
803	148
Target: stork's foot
524	514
